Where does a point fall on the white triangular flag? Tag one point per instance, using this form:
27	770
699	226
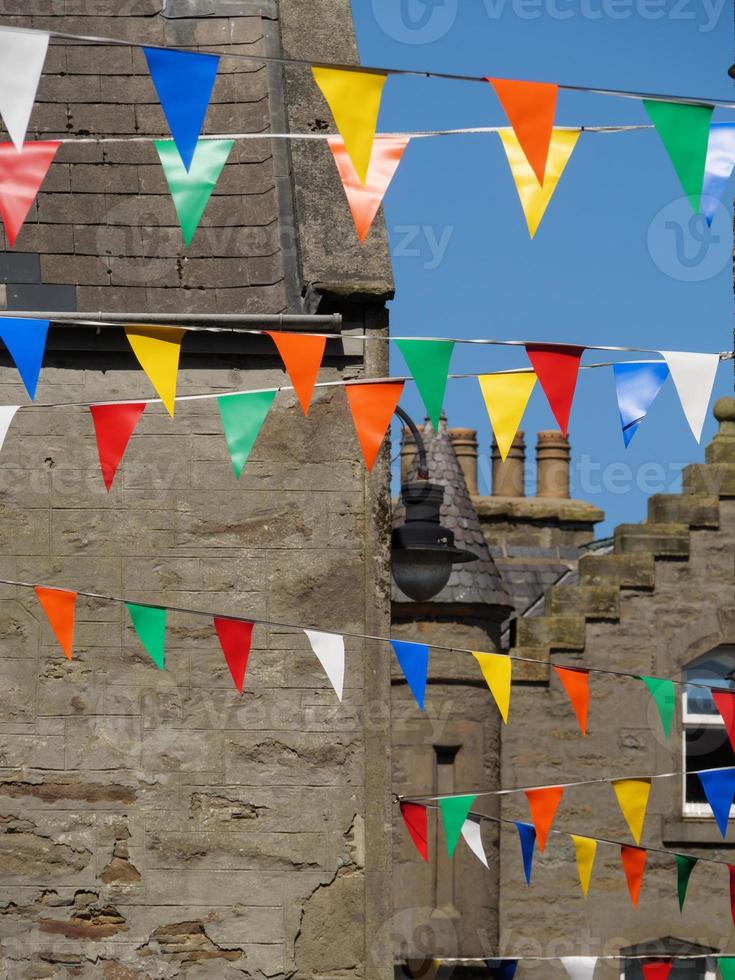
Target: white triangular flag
473	838
330	649
22	56
580	967
694	377
7	413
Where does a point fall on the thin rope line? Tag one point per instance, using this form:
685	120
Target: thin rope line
356	636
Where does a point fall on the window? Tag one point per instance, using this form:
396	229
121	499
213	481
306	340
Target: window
669	947
703	969
444	785
705	743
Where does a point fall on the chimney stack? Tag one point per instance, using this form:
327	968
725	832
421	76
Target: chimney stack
508	476
464	442
552	464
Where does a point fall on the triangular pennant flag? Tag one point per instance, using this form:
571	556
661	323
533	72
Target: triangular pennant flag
184	81
527	836
656	969
302	356
534	196
684	867
632	795
454	810
58	604
22	57
663	693
235	637
330	652
149	622
497	670
471	832
694	377
26	344
428	362
364	199
637	386
372	407
726	965
731	869
354	100
684	131
530	108
577	685
506	397
191	189
725	704
557	369
413	659
585	849
113	427
7	414
719	788
157	350
416	820
243	416
501	969
580	967
543	804
22	172
634	864
718	166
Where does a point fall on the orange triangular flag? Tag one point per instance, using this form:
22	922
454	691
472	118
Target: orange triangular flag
372	406
577	685
530	108
58	604
634	864
365	199
543	804
302	357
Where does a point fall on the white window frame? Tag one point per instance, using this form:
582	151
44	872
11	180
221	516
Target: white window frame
710	968
696	810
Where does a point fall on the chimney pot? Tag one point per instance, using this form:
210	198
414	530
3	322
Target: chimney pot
552	465
464	442
508	476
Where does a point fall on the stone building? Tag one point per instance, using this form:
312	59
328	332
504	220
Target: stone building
155	825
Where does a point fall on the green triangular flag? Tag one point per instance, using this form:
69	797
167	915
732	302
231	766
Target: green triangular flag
149	623
663	693
192	189
454	813
428	362
684	131
727	967
242	418
684	867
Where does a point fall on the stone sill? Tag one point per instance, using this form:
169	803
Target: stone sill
560	509
692	831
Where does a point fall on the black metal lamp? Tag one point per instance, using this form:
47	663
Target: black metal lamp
423	552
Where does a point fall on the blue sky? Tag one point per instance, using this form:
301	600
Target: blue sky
618	258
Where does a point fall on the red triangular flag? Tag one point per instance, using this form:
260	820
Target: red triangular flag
58	604
21	175
557	369
415	818
577	685
113	426
372	407
731	869
235	637
365	199
634	864
725	703
302	357
543	804
530	108
656	969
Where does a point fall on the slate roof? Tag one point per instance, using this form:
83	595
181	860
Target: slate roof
477	582
528	572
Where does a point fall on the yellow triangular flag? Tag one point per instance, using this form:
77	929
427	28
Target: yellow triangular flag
496	669
535	197
586	849
632	797
157	350
506	397
354	99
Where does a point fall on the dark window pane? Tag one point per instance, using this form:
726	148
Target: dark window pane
713	668
683	970
706	748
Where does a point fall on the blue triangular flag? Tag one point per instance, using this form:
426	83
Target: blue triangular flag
637	386
184	82
502	969
718	167
719	788
414	661
26	343
527	834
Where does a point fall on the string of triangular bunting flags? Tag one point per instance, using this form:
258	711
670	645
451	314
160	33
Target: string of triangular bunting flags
577	967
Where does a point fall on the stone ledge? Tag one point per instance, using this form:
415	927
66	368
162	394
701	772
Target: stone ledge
624	571
560	509
591	601
554	632
661	540
710	478
691	831
694	509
